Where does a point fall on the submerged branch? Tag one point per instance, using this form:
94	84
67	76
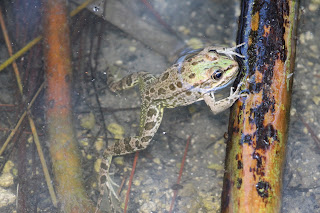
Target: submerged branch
258	125
62	143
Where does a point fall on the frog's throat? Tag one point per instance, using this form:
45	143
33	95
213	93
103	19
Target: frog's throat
208	90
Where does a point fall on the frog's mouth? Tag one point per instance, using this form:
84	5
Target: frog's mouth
208	89
223	86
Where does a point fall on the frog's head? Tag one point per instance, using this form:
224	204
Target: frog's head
211	69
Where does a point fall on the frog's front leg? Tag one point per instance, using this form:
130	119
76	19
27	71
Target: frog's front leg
223	104
128	81
150	120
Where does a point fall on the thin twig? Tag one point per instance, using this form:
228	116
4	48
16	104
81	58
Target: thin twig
175	192
312	133
158	17
43	161
25	132
8	43
37	39
31	122
93	74
130	181
121	185
8	105
20	120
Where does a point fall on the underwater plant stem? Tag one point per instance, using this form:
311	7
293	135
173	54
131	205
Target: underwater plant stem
258	124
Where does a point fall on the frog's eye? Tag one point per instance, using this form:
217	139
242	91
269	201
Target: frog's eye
213	51
216	75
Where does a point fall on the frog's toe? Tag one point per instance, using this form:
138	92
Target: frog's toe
244	93
110	183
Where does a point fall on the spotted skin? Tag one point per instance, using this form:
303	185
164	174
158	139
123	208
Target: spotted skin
192	79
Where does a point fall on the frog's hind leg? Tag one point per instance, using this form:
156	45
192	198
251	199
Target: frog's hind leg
150	121
128	81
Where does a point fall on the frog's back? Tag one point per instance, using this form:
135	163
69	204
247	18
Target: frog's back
169	90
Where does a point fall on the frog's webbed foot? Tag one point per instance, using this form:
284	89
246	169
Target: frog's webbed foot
223	104
231	51
238	93
107	184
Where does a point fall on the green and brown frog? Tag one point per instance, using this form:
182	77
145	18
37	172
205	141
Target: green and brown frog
195	77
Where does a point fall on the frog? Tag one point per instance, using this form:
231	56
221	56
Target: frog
196	76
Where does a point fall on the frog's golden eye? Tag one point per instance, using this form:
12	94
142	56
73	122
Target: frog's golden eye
216	75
